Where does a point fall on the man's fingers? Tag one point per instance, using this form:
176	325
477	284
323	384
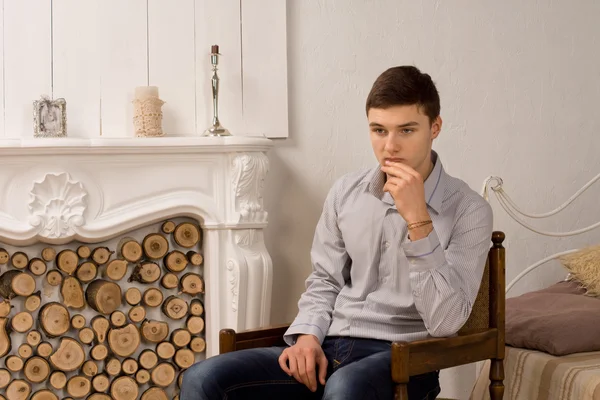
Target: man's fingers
292	360
302	362
404	168
311	372
398	173
389	187
402	171
302	370
393	184
322	369
395	181
283	358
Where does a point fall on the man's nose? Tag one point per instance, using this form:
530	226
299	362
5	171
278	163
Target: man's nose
391	143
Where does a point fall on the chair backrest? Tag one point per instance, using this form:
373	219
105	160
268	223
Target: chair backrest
480	314
485	313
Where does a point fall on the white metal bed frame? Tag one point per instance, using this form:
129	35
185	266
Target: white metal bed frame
495	184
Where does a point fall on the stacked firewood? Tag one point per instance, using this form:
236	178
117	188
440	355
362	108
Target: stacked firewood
96	339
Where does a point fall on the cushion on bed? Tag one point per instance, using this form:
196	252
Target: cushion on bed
558	320
584	266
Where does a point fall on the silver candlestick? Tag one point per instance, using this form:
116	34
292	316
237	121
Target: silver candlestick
216	129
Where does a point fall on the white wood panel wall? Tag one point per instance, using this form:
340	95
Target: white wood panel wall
123	62
265	68
76	62
95	52
27	62
172	68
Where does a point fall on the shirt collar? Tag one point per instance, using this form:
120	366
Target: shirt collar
434	184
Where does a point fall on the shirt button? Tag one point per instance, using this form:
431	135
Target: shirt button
386	244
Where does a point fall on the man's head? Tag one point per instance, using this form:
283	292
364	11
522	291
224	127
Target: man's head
403	110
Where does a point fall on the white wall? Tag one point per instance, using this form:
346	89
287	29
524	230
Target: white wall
520	87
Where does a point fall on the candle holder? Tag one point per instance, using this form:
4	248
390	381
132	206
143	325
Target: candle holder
147	112
216	129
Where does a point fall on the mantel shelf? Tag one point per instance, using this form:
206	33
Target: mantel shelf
160	145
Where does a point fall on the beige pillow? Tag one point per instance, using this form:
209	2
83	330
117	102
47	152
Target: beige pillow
584	267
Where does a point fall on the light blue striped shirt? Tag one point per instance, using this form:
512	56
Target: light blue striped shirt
370	281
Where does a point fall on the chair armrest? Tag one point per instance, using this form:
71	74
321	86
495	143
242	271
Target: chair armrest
230	340
259	333
427	355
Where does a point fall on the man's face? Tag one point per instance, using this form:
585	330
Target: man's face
403	134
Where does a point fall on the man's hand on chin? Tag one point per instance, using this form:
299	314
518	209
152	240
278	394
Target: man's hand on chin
408	190
301	360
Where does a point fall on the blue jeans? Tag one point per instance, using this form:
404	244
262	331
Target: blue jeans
358	369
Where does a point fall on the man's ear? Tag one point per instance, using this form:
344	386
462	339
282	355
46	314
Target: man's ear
436	127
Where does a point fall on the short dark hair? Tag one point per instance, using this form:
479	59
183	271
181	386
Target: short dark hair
403	86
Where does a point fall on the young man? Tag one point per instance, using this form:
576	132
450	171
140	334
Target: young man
398	254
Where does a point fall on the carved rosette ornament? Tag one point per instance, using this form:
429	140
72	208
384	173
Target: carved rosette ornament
249	171
57	205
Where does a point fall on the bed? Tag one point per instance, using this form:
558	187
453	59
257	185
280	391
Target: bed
536	375
552	334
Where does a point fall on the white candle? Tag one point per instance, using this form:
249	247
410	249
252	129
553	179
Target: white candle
145	92
147	113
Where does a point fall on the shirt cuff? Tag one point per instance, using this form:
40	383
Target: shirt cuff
306	326
424	254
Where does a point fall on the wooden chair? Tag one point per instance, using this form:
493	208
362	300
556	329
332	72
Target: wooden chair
481	338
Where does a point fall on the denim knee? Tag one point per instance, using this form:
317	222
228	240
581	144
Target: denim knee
340	386
201	381
215	377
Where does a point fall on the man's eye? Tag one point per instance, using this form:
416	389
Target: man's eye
379	131
407	131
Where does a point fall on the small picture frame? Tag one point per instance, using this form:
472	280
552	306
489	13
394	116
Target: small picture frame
49	118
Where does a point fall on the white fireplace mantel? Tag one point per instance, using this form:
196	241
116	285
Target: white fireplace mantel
59	190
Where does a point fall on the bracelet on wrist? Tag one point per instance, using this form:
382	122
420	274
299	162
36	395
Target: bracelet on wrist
418	224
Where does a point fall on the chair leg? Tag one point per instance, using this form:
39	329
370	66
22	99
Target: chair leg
497	379
401	391
400	375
